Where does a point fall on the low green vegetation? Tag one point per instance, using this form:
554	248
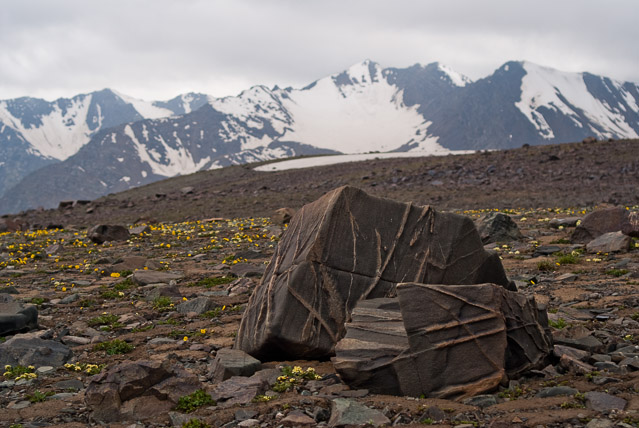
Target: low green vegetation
113	347
546	266
195	423
192	402
38	397
616	272
163	304
292	376
212	282
559	324
18	372
107	322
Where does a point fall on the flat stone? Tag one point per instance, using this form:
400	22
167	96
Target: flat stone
74	384
153	291
573	365
602	402
481	401
238	390
578	354
30	350
75	340
612	242
70	299
546	250
297	418
600	423
244	270
555	391
232	362
199	305
587	343
347	412
145	277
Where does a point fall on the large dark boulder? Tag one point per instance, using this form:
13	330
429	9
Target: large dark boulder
606	220
446	341
348	246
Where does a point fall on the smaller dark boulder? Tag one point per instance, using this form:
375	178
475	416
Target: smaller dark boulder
498	227
104	232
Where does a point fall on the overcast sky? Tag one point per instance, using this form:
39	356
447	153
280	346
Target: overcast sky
157	49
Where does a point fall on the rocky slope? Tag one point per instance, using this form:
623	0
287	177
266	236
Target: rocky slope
538	176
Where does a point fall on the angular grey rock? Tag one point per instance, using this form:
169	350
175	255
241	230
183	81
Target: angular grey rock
139	230
136	390
153	291
16	317
345	413
131	263
616	219
481	401
297	418
199	305
145	277
611	242
244	270
348	246
238	390
498	227
602	402
232	362
565	222
29	350
555	391
104	232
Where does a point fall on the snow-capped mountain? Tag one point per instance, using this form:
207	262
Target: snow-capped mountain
35	132
425	109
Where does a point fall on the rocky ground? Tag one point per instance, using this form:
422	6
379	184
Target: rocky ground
174	293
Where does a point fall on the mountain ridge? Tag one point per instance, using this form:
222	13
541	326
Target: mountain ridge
426	109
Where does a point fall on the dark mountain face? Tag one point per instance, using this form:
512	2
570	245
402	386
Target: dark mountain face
420	108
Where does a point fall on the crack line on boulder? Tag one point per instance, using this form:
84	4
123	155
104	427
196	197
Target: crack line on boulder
391	251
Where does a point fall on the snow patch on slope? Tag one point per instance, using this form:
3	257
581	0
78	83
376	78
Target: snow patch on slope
456	78
541	87
146	109
177	161
61	134
309	162
366	115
